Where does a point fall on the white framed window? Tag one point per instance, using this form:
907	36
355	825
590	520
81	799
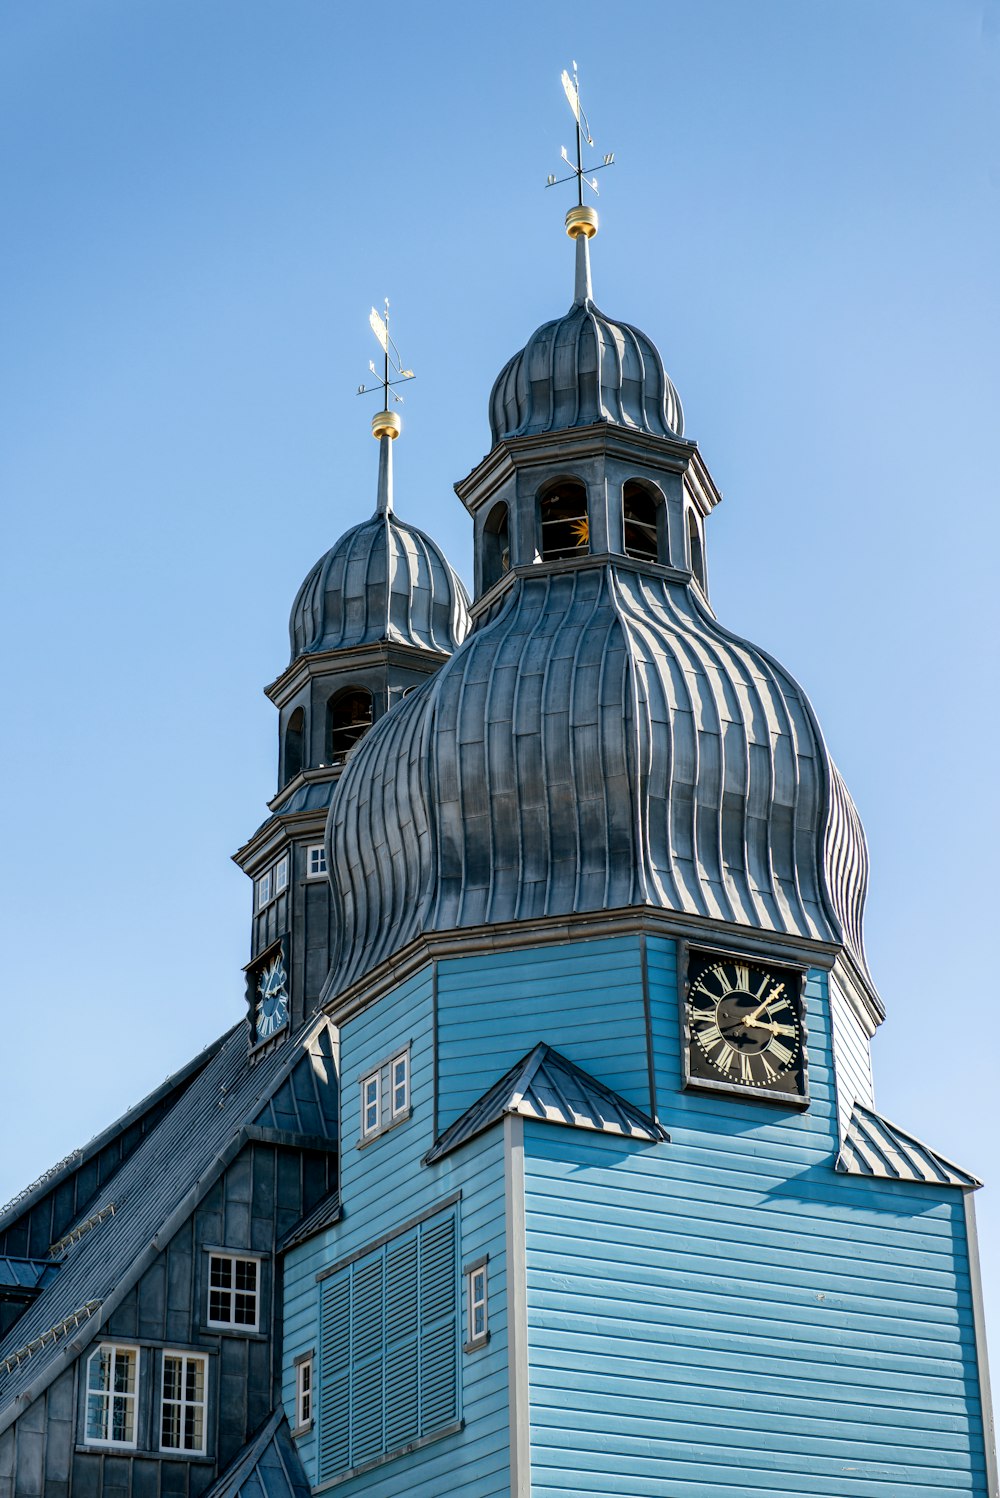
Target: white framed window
385	1095
183	1402
233	1291
112	1393
269	885
303	1391
315	861
476	1305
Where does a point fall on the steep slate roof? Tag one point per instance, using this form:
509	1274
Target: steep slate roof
267	1467
153	1192
547	1087
875	1147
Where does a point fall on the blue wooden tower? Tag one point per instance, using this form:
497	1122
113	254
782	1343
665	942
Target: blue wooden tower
617	1213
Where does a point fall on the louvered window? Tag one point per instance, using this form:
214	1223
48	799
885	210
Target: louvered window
388	1363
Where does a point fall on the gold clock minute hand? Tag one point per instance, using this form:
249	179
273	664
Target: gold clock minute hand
751	1019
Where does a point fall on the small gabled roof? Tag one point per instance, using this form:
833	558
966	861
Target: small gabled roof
875	1147
267	1467
546	1087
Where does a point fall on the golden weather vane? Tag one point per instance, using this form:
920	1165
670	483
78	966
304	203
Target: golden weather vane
571	88
386	422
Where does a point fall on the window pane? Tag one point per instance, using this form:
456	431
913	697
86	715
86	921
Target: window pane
170	1427
222	1272
124	1373
100	1369
246	1274
97	1414
194	1382
218	1306
121	1419
171	1378
245	1310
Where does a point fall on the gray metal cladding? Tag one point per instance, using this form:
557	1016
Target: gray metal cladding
875	1147
601	742
383	580
583	368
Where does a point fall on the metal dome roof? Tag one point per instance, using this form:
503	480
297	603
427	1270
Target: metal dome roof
601	742
584	368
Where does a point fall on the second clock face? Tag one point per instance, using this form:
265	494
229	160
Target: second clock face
744	1024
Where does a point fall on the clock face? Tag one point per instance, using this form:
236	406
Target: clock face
271	1009
744	1024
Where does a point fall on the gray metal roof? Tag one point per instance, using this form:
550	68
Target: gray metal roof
548	1088
26	1274
323	1215
154	1191
875	1147
267	1467
383	580
601	742
583	368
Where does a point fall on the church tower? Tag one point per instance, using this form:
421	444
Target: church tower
617	1213
379	612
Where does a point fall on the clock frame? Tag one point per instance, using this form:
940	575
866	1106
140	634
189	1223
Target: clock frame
273	959
765	1060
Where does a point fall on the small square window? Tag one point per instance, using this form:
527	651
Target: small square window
476	1307
315	861
112	1389
262	890
233	1292
183	1402
281	875
385	1095
303	1392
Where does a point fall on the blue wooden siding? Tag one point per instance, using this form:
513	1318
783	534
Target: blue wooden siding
724	1315
383	1185
584	998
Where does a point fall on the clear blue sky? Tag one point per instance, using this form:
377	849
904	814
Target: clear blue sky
202	198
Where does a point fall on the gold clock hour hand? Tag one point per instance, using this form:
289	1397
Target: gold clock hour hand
776	992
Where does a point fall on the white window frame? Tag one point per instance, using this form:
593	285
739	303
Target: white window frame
232	1325
109	1396
272	883
477	1297
305	1392
319	850
385	1095
183	1403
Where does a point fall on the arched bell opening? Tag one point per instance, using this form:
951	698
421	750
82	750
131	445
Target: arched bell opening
643	536
696	549
564	521
496	545
348	718
295	739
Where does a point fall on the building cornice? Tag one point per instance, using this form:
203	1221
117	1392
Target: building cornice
351	658
589	926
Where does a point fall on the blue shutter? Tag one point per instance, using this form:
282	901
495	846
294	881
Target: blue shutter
367	1360
388	1363
401	1320
438	1324
334	1380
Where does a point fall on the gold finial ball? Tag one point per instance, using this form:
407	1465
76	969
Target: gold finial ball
386	424
581	222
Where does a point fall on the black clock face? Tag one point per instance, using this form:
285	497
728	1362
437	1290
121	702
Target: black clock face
744	1023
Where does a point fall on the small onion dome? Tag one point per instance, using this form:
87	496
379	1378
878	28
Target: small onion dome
583	368
383	580
600	742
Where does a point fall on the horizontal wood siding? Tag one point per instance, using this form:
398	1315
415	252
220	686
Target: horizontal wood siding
725	1315
852	1058
383	1185
584	999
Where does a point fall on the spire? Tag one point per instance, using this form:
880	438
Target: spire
581	221
384	504
386	425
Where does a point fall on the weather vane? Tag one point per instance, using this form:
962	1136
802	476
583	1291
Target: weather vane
571	87
386	422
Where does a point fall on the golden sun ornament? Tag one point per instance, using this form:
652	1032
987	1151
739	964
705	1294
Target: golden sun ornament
580	530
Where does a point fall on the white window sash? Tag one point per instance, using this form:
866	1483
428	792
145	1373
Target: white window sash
231	1290
182	1403
107	1398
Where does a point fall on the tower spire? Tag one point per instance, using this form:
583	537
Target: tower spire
581	221
386	424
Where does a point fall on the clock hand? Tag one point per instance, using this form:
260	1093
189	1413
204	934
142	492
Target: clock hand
751	1019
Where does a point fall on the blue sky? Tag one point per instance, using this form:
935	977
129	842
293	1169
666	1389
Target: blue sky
202	198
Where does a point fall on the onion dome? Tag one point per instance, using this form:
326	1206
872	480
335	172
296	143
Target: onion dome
584	368
384	580
601	742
